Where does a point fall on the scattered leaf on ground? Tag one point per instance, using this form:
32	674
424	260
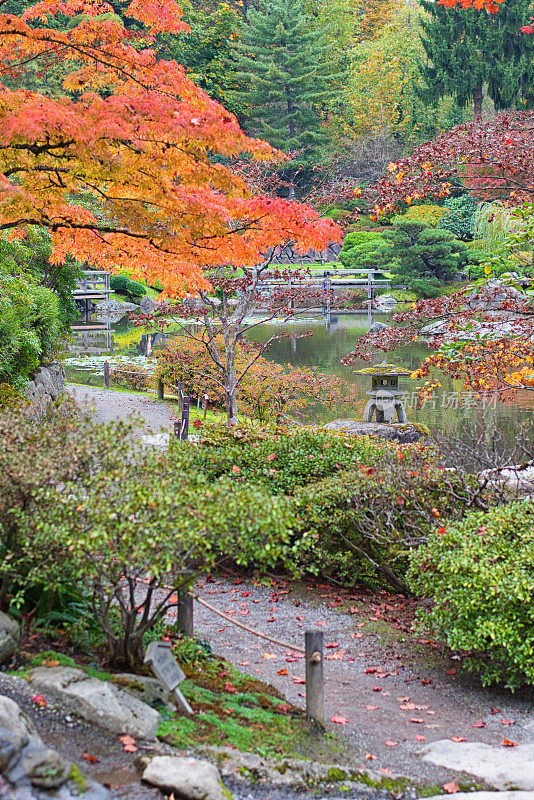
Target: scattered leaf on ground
479	724
90	758
418	721
371	708
458	739
299	680
508	721
282	672
339	719
508	743
451	788
268	655
370	756
128	743
420	738
390	743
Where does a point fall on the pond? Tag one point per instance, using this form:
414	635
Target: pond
451	410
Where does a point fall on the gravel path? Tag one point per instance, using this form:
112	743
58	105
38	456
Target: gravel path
390	686
108	406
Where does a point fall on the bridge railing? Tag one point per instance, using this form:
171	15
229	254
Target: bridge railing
93	281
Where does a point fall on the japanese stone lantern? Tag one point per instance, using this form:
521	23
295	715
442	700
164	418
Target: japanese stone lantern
385	396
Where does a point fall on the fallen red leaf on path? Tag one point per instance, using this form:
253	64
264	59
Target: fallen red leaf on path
408	707
299	680
271	619
385	771
370	756
220	630
371	708
321	623
426	681
389	743
282	672
451	671
495	710
333	644
90	758
377	688
508	743
268	655
300	619
508	721
458	739
339	719
354	609
420	738
479	724
128	743
418	721
451	788
371	670
229	687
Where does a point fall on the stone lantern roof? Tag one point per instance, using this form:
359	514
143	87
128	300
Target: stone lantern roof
383	369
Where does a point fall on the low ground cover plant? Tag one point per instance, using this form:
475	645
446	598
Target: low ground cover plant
479	573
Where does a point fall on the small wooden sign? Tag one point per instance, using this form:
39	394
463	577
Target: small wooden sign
161	661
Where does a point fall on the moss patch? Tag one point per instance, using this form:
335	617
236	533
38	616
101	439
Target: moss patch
237	710
77	777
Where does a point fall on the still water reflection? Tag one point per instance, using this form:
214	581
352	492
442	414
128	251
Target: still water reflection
450	411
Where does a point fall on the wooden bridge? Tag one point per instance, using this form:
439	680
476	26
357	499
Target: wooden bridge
367	279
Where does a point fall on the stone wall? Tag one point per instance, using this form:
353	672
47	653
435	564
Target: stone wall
45	386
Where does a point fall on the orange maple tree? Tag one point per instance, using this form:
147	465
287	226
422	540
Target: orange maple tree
126	168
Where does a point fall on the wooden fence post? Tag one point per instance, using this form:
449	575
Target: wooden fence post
184	429
106	374
184	614
314	676
180	394
161	389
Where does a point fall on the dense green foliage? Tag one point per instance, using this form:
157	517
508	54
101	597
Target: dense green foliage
103	513
468	50
369	520
123	285
359	504
286	70
30	326
480	576
459	216
425	257
363	250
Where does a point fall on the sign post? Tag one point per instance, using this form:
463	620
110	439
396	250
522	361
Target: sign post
161	661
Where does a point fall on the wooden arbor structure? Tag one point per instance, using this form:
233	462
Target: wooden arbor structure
385	396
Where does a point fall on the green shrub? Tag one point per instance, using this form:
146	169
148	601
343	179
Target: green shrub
458	218
365	523
363	250
135	289
104	514
480	576
30	326
119	283
280	459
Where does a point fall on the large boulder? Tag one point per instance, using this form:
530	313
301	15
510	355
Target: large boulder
189	778
385	302
405	434
97	701
9	637
14	721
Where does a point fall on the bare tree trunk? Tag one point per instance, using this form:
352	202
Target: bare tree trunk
477	102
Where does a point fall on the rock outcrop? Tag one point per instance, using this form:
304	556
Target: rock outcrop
45	385
406	433
31	771
9	637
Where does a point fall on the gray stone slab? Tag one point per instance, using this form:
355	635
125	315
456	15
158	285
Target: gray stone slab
189	778
483	796
500	767
97	701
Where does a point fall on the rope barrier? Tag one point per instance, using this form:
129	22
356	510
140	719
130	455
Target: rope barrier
247	627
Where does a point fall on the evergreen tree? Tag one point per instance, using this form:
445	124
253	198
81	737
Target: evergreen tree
287	70
424	257
469	50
